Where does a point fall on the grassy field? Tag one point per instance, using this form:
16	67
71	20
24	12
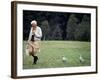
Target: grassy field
52	52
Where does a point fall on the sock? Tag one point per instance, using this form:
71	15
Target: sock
35	59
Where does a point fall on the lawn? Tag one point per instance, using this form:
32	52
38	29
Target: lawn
52	53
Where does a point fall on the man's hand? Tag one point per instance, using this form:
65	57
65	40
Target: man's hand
33	31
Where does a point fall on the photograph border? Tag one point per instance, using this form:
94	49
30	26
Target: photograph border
14	37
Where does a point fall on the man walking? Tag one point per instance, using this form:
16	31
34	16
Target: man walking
34	40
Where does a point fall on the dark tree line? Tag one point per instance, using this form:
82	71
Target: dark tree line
59	25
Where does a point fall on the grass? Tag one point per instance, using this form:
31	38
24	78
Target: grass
52	52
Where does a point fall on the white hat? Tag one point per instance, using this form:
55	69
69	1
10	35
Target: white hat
34	22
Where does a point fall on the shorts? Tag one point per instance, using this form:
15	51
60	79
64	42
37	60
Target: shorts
33	47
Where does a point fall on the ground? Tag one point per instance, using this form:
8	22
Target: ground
52	52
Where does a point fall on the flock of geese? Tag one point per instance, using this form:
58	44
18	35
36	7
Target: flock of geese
81	59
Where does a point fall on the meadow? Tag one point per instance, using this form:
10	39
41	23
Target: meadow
52	52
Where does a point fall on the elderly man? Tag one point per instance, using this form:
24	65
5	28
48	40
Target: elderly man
34	40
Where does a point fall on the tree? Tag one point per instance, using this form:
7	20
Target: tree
71	26
83	30
57	33
45	29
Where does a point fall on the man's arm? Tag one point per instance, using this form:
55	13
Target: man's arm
38	33
30	35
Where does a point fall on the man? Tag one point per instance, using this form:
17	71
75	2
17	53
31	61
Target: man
34	40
